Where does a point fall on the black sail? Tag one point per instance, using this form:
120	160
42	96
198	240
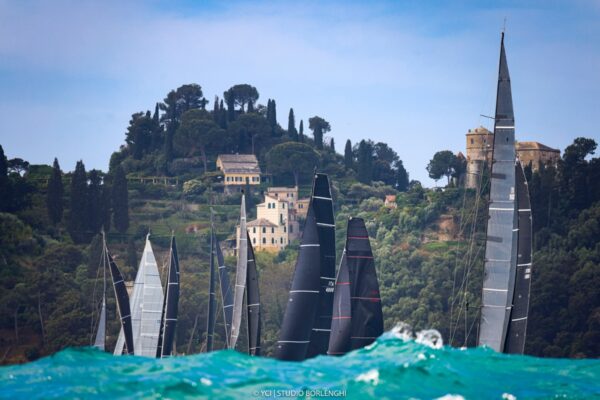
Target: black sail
517	328
253	303
212	301
501	242
226	292
322	204
171	303
303	301
357	315
122	303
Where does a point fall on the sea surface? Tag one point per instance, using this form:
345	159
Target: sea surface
394	367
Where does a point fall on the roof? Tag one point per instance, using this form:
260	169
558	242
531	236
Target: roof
535	146
282	189
244	163
390	197
479	131
261	222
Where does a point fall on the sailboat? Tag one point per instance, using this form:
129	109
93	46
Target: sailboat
171	305
507	270
307	319
100	339
246	284
357	316
146	307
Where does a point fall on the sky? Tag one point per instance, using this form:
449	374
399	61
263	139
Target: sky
414	74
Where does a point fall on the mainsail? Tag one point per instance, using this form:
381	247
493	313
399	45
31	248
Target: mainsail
517	328
212	301
357	316
226	293
122	305
240	277
171	305
501	246
100	339
253	303
307	319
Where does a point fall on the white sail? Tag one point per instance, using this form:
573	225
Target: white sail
240	277
101	333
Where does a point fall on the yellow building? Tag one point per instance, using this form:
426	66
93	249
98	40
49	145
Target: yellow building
238	170
536	154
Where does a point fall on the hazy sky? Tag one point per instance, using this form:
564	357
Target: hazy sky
414	74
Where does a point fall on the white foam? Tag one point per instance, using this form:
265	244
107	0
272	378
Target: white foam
431	338
508	396
451	397
371	376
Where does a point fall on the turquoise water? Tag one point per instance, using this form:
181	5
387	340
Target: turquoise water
390	369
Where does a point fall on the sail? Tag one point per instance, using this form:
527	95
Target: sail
517	328
240	277
122	305
151	306
303	301
99	342
212	301
226	293
500	253
171	304
322	204
357	316
253	304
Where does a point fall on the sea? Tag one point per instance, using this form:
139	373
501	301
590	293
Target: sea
396	366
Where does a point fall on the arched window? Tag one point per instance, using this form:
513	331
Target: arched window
272	230
253	229
281	240
272	240
253	240
264	230
264	240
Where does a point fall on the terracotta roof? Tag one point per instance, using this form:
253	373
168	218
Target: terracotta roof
390	197
535	146
245	163
261	222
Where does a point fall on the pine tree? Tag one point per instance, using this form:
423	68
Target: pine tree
292	133
319	127
301	132
54	196
348	155
120	201
78	214
332	145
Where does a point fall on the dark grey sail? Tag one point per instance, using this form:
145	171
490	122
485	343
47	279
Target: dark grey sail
226	292
298	320
253	304
500	254
171	305
517	328
357	315
212	301
240	277
123	306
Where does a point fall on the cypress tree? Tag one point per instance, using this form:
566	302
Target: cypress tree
332	145
54	196
4	182
120	201
301	132
348	155
94	195
269	115
292	133
105	206
157	137
216	109
273	121
222	115
230	108
77	225
365	162
402	180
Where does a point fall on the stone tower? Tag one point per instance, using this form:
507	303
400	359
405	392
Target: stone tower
479	150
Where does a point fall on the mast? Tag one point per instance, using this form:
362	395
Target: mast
307	319
240	277
357	316
100	340
226	293
253	303
171	304
212	305
500	253
122	304
517	328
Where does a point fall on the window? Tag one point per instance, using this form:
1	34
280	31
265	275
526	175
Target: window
284	229
272	230
281	240
269	205
264	240
291	205
472	141
253	229
291	228
272	240
264	230
282	205
280	219
253	240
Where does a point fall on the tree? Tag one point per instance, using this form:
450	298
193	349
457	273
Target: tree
385	153
443	163
54	195
319	127
94	203
383	172
197	131
365	161
291	130
348	155
301	132
292	157
402	180
120	200
18	166
332	145
140	134
251	130
77	226
240	95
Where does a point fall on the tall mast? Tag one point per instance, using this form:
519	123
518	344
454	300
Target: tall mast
500	253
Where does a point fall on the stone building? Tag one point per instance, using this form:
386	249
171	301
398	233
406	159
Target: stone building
238	170
480	143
